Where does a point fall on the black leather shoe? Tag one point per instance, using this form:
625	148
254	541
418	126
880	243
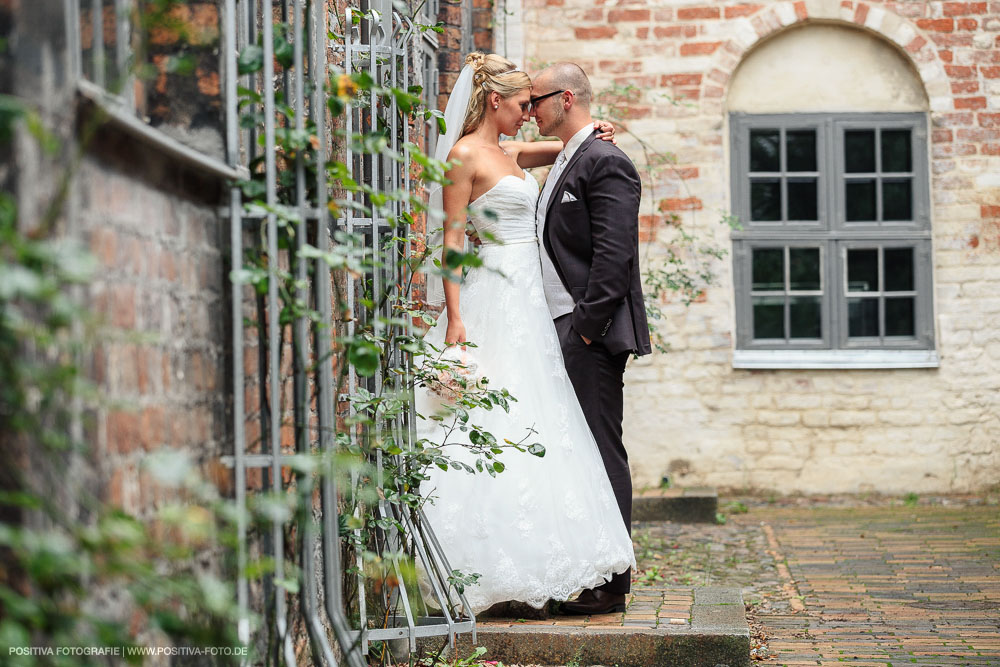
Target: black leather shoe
591	602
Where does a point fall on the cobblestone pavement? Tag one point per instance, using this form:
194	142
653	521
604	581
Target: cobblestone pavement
834	581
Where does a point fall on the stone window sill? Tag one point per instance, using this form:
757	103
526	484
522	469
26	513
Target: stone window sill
835	359
125	120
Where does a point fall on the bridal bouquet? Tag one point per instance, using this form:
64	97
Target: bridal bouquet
461	374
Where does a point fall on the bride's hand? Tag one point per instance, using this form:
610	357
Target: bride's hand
455	333
605	131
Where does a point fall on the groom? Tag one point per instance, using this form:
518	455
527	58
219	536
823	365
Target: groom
588	218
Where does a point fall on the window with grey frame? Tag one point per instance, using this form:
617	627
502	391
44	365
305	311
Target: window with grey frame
833	254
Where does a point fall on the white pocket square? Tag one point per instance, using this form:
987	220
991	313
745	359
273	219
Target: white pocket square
567	196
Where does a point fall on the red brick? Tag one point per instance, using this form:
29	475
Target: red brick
633	112
680	80
619	66
152	432
990	149
939	136
964	87
103	245
647	228
936	25
946	55
860	14
960	71
955	119
596	14
642	32
695	13
952	39
718	76
970	102
616	15
989	211
916	44
168	266
666	32
122	305
601	32
990	72
699	48
123	431
965	149
123	488
989	120
741	10
208	82
801	12
684	173
967	24
680	204
978	134
204	25
963	8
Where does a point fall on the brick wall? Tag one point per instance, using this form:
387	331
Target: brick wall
468	26
160	356
689	413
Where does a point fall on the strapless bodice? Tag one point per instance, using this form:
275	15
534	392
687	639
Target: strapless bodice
505	214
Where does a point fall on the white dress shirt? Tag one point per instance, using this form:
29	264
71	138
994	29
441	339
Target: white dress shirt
559	300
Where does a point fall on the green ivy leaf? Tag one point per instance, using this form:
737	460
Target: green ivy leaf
251	60
364	356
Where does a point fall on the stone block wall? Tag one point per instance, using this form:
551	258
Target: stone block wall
689	413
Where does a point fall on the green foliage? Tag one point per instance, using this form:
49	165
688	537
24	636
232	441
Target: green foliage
736	507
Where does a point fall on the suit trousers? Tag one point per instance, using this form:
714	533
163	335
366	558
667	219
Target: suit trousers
597	376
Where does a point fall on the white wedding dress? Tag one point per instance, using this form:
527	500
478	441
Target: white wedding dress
545	527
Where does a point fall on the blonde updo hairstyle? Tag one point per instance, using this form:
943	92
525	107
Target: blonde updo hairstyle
491	73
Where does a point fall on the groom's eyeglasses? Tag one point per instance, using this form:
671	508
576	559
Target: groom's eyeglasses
535	100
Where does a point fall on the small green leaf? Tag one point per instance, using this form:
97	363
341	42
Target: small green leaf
364	356
251	60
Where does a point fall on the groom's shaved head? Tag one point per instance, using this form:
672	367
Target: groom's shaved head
569	76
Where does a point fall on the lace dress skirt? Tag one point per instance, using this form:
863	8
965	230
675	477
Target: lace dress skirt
545	527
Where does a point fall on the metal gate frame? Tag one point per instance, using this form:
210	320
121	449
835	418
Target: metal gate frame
381	45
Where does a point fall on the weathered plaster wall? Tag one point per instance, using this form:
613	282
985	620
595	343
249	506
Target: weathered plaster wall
858	73
689	413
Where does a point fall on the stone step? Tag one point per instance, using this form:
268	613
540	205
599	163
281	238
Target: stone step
681	505
675	627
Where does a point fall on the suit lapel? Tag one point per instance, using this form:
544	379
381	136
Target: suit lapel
562	176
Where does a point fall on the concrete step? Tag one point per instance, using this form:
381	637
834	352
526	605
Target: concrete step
676	627
681	505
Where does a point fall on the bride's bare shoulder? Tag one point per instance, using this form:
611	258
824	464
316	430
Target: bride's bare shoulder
464	151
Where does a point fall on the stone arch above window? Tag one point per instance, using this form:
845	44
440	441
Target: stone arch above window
755	29
825	67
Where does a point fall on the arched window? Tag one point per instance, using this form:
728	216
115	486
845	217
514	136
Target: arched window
829	168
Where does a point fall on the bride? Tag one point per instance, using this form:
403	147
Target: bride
545	528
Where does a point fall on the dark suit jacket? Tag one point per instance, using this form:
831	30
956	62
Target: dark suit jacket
594	245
